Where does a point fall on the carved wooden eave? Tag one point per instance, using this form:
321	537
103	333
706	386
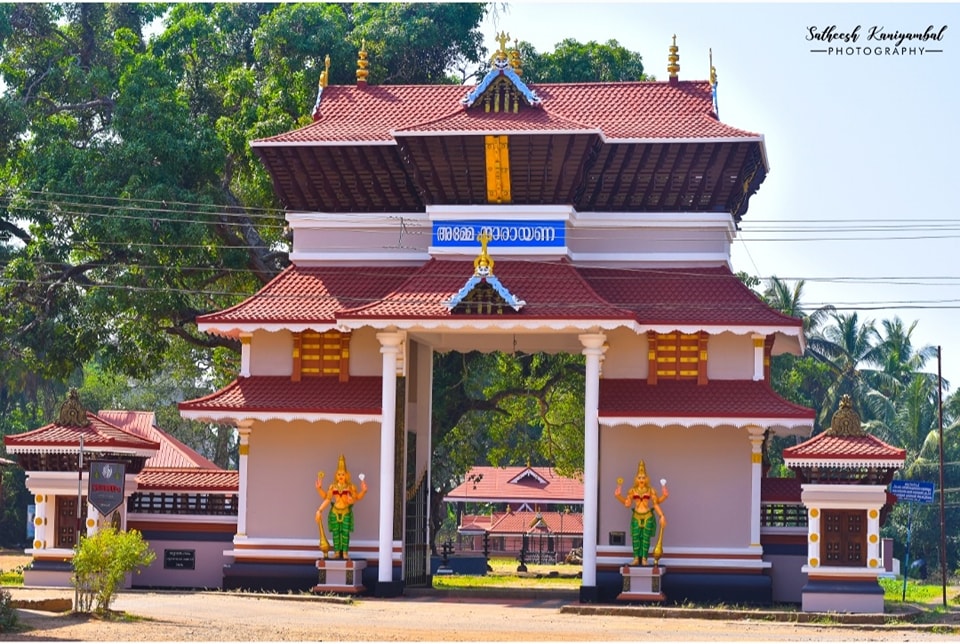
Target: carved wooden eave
501	89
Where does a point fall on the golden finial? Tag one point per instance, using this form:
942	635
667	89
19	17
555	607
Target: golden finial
325	74
713	70
845	421
483	264
515	59
72	413
362	63
502	39
674	59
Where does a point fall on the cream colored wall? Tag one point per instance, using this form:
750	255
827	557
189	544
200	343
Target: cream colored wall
653	241
708	475
730	357
284	460
365	356
626	356
271	354
365	240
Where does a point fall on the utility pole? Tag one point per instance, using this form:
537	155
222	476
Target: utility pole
943	513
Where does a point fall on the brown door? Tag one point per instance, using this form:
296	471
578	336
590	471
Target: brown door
844	538
67	520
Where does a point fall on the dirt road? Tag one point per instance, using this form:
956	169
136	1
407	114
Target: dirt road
166	616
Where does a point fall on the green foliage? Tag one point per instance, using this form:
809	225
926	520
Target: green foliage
576	62
101	563
921	593
8	615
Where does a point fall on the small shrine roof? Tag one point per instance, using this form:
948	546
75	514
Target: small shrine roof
278	397
172	453
524	522
188	479
301	298
625	111
845	444
98	436
824	450
486	483
684	402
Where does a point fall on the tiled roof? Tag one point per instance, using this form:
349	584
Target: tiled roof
526	120
685	399
172	453
188	479
826	449
98	436
551	290
327	395
780	490
493	484
634	110
696	297
682	296
523	522
304	296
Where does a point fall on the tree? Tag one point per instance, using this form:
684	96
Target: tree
102	561
575	62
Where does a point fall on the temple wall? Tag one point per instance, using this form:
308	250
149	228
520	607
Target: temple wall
271	354
708	475
730	357
284	460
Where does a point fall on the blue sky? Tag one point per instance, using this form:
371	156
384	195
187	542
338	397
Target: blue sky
863	148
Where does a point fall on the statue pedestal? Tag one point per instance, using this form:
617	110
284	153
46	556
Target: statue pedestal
340	576
642	583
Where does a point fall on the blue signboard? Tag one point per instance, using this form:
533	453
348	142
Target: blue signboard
503	233
912	491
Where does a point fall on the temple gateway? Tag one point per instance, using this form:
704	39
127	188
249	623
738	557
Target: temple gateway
586	218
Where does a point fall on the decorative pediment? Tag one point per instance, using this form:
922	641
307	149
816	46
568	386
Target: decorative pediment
502	89
483	293
528	475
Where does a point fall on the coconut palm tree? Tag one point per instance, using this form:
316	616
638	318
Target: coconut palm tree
851	352
789	301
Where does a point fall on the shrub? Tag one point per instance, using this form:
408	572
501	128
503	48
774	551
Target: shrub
8	616
102	561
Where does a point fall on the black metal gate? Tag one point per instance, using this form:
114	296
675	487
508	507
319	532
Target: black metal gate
415	542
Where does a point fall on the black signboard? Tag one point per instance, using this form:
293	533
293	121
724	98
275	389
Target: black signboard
105	491
180	559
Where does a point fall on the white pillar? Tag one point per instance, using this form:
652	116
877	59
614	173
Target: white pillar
40	522
245	354
389	347
874	557
243	430
756	474
758	342
93	519
593	347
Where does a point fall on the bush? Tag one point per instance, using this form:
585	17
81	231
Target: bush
102	561
8	616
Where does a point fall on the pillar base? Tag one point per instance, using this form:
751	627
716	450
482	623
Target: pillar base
642	583
340	576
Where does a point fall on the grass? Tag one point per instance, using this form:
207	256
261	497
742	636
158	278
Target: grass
505	575
915	592
11	577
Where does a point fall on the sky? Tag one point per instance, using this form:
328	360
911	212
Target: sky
862	145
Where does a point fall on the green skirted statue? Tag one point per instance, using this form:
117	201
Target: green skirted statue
646	512
341	495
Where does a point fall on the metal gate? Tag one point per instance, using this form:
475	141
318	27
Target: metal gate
415	542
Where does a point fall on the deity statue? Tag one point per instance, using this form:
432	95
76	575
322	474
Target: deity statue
340	496
645	505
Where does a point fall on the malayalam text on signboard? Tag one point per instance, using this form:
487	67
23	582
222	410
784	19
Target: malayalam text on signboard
915	491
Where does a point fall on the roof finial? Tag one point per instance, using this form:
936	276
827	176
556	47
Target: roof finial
515	58
362	64
483	264
502	38
72	413
324	78
713	85
674	59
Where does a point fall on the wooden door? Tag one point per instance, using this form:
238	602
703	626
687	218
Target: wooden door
844	538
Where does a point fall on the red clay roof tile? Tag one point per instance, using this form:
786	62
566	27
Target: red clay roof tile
829	447
184	479
625	397
359	395
98	436
637	110
493	484
172	454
